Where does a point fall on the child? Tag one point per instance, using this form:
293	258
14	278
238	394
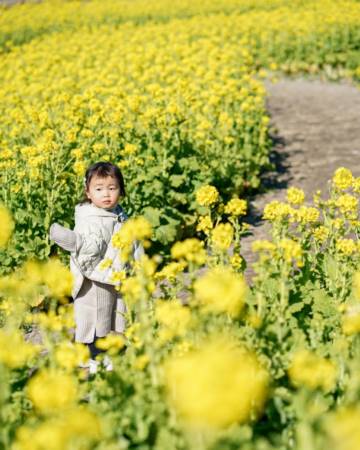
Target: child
98	307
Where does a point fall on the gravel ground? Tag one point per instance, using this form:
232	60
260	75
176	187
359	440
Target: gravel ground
318	130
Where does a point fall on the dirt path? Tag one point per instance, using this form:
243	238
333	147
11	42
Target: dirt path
318	130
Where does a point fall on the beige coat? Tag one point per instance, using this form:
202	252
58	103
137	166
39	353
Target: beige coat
98	306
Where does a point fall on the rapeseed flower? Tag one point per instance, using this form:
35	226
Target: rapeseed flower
205	224
207	195
112	343
343	178
173	317
216	385
57	278
310	370
14	351
51	391
348	204
295	196
222	236
76	428
221	290
346	246
277	211
236	207
7	226
321	233
351	320
343	429
134	229
190	250
70	355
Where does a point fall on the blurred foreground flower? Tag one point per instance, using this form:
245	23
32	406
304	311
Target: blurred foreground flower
313	371
221	290
14	351
6	226
52	390
216	385
75	429
343	429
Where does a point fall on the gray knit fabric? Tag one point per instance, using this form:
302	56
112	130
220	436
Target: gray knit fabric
98	310
64	237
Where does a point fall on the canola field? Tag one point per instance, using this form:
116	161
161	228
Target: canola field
173	93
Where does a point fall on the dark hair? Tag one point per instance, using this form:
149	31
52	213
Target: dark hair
103	169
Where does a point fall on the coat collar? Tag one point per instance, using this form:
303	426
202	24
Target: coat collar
83	210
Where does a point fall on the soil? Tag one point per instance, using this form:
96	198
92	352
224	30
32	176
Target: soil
317	130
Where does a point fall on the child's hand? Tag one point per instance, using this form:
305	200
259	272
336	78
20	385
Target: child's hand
64	237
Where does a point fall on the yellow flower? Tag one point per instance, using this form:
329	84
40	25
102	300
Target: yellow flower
174	317
170	271
50	391
57	278
14	351
356	185
236	207
76	428
216	385
207	195
221	290
134	229
291	250
263	245
346	246
105	264
70	355
343	429
310	370
347	204
130	149
131	289
295	196
351	320
276	210
307	214
6	226
222	236
118	277
141	362
205	224
190	250
343	178
321	233
112	343
236	261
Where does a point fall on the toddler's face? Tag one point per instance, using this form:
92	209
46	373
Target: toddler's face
103	192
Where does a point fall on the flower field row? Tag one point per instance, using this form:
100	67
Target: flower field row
207	361
166	97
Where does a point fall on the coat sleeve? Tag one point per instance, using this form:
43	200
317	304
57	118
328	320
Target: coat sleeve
90	246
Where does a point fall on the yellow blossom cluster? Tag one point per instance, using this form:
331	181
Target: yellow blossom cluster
207	195
343	178
310	370
134	229
174	319
14	351
222	236
221	290
236	207
7	226
191	251
295	196
217	384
